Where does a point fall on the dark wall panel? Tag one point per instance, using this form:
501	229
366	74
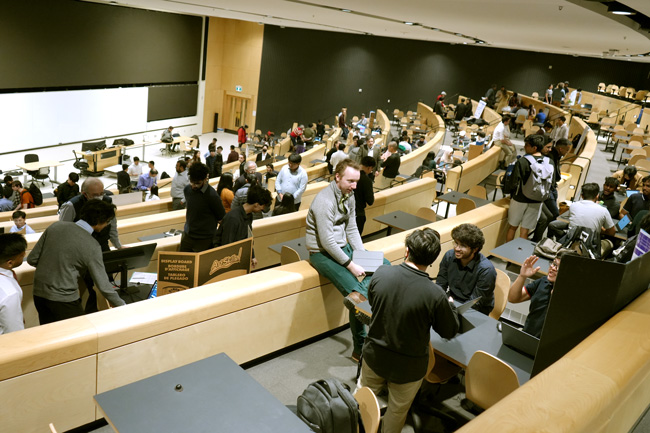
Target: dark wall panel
308	75
169	102
66	43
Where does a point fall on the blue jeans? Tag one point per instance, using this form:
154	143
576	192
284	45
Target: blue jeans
346	283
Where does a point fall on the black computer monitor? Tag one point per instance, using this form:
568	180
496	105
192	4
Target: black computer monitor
128	258
93	146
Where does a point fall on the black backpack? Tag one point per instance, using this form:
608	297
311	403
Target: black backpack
36	193
327	406
584	240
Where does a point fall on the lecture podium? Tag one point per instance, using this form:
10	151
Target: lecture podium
99	160
211	395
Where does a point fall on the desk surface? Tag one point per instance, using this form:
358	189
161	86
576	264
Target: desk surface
299	244
453	197
518	250
34	166
483	336
215	394
402	220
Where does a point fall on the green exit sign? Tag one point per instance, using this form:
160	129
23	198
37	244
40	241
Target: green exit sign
238	88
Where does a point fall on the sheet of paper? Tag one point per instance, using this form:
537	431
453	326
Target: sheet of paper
143	278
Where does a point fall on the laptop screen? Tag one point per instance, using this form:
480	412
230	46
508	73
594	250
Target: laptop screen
623	222
154	290
368	260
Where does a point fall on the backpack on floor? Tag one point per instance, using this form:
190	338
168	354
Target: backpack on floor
327	406
36	193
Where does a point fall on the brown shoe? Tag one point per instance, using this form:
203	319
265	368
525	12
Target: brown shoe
352	300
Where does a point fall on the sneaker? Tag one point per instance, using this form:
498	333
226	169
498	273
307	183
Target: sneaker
363	318
352	300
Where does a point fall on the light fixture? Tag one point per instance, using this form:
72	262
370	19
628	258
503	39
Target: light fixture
346	10
409	23
620	9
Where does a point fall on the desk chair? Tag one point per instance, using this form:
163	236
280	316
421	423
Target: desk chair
464	205
488	380
519	121
31	157
42	174
474	151
288	255
427	213
643	165
368	409
501	289
80	164
601	87
478	191
439	369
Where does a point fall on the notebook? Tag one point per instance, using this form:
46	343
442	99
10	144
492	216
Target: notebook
368	260
467	305
519	340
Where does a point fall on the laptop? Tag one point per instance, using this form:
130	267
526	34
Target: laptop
154	290
467	305
368	260
623	222
519	340
631	192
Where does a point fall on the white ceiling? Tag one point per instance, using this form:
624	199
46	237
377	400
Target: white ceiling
553	26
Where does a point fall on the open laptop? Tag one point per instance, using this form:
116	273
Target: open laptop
368	260
519	340
467	305
623	222
154	290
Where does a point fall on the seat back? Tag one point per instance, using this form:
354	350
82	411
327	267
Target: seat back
288	255
464	205
643	165
474	151
31	157
488	379
368	409
427	213
501	288
478	191
44	171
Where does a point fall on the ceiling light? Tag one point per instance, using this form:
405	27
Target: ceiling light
620	9
346	10
409	23
458	34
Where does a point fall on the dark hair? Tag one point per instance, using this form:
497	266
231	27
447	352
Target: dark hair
590	191
17	183
470	235
287	205
224	182
270	165
430	156
424	246
562	118
259	195
645	179
612	181
219	147
182	163
11	244
294	158
212	147
232	147
8	179
135	158
124	167
152	162
97	212
18	214
562	142
630	171
645	223
153	171
505	119
537	141
154	190
341	146
198	171
368	161
75	177
548	125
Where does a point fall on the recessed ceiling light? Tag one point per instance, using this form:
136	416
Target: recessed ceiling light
620	9
458	34
346	10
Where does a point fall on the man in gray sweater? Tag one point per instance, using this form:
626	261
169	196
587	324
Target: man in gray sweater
331	237
64	253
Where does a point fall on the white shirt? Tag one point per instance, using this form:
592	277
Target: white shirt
586	213
561	132
11	297
135	171
501	132
573	96
337	157
406	145
292	182
28	229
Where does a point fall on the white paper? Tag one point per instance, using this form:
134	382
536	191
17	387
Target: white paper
143	278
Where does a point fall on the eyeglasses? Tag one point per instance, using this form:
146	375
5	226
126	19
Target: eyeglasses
459	246
555	265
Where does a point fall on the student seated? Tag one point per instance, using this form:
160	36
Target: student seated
286	206
20	223
464	272
629	178
539	291
638	202
68	189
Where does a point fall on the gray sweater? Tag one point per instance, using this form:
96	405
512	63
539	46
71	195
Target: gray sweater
329	229
62	255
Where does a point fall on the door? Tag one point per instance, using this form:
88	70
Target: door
236	112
